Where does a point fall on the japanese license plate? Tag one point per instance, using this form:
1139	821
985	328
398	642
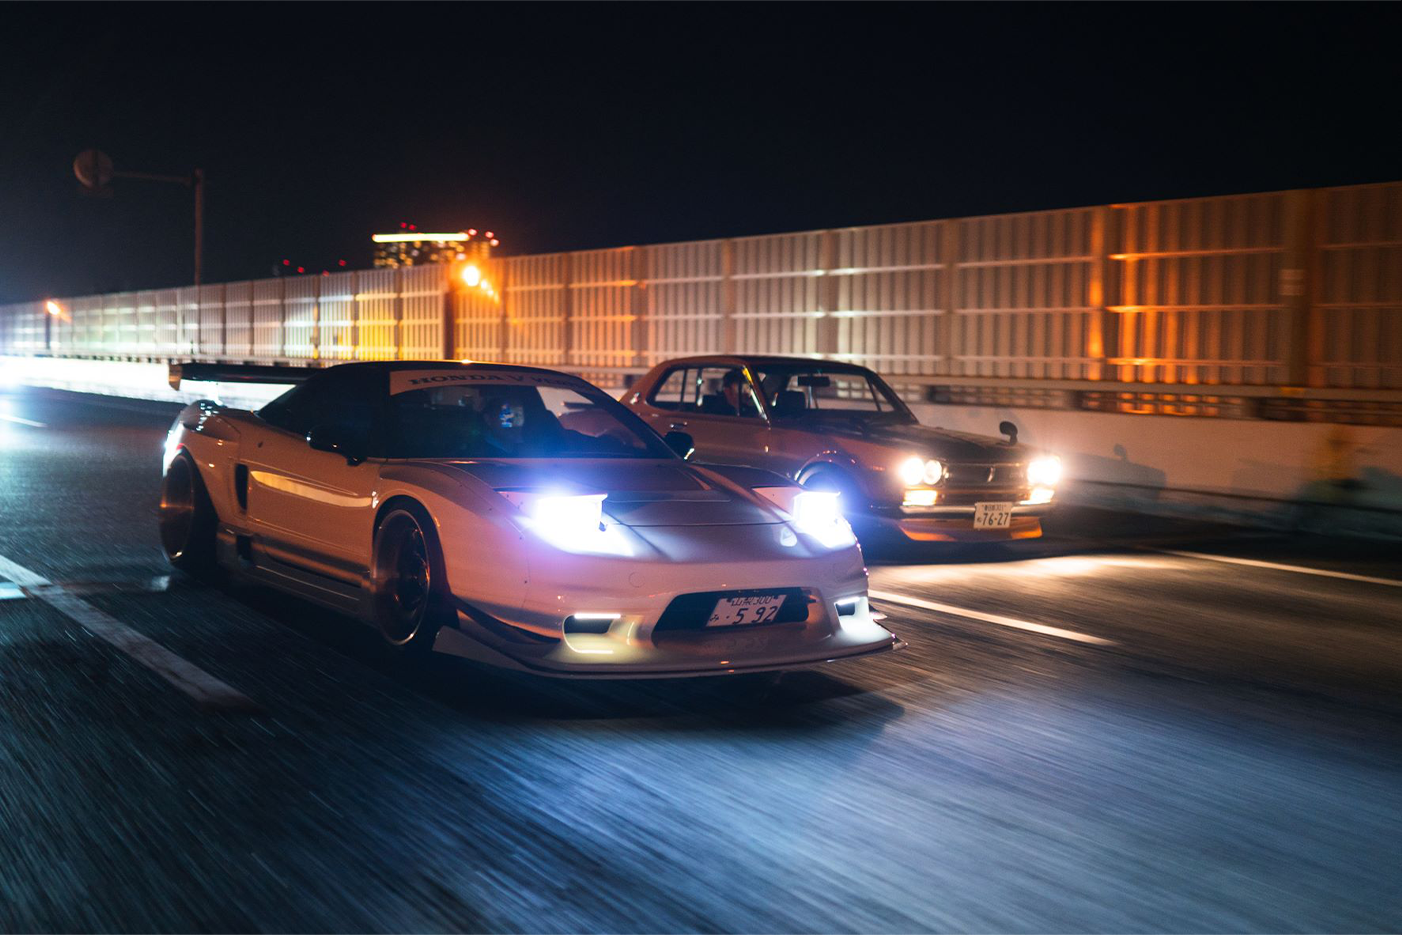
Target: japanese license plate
738	611
993	515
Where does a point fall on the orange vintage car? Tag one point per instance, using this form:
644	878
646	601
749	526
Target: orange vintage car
836	426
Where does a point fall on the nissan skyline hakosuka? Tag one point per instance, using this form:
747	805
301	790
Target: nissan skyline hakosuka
839	427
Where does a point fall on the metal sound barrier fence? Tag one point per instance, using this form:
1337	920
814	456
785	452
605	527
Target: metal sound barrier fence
1278	305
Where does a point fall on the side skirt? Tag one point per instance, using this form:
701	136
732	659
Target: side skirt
248	562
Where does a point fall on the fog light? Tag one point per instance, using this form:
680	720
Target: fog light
847	608
920	498
589	623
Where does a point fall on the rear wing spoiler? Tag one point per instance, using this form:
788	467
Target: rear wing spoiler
237	373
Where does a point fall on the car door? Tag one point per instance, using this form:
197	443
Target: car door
315	509
791	445
723	431
663	406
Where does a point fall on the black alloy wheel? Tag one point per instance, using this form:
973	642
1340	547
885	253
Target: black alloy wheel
407	579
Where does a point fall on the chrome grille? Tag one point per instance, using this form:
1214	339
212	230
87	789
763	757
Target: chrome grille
986	475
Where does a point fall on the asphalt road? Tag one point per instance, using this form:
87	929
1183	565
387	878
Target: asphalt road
1110	729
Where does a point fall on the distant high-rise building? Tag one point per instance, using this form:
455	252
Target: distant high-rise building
409	247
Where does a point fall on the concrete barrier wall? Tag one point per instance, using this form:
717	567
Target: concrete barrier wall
128	380
1319	476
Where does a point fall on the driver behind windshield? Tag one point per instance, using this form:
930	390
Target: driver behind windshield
500	421
797	393
739	399
506	424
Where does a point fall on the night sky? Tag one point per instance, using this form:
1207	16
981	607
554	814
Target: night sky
576	126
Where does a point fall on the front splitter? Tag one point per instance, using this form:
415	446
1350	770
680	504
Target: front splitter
455	642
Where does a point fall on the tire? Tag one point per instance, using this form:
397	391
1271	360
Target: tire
411	598
187	518
824	479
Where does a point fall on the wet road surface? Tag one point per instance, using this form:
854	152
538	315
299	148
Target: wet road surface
1129	725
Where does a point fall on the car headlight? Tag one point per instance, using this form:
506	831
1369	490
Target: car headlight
816	513
566	520
1044	472
569	515
915	471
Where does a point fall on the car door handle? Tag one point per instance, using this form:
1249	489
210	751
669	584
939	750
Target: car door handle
677	425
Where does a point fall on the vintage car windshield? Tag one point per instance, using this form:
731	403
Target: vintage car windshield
501	420
818	392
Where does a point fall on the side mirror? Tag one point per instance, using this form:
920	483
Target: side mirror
340	439
680	442
1010	430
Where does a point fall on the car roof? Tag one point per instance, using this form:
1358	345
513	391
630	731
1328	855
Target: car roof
389	366
763	360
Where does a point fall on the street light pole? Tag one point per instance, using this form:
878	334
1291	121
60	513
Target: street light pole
94	170
199	222
196	181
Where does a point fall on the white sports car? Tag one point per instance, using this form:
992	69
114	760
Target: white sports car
516	516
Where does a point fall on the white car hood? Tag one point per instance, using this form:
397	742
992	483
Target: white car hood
640	492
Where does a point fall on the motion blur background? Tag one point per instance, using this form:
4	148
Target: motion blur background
1165	240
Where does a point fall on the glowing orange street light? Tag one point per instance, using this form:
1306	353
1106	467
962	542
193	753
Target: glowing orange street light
54	309
471	275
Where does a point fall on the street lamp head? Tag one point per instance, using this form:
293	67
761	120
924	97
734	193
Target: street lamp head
93	168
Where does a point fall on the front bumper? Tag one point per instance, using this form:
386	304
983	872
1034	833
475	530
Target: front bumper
631	650
955	523
625	592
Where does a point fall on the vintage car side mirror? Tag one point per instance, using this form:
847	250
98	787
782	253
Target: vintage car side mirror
343	440
1010	430
680	442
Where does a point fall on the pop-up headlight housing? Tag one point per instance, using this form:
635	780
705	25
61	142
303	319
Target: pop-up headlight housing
569	521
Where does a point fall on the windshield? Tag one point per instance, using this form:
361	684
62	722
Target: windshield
516	420
813	392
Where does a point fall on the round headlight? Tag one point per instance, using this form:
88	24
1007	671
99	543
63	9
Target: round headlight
912	471
1044	472
916	471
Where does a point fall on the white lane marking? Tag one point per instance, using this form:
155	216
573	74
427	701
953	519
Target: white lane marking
999	619
29	422
1276	566
204	688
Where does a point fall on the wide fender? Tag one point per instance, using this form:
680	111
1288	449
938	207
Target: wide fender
872	484
484	553
211	436
210	419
